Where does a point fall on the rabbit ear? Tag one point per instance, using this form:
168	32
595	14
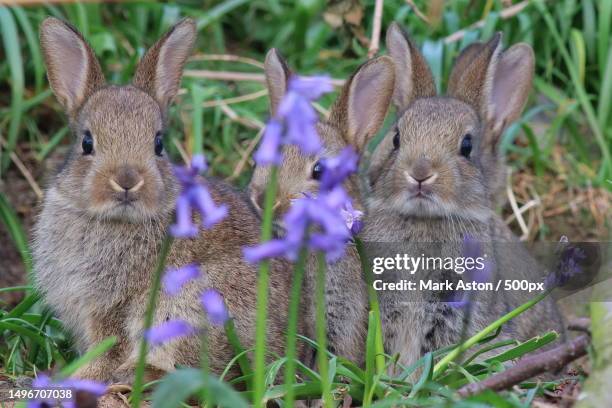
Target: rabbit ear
461	64
73	70
364	101
511	86
160	70
496	84
472	77
277	77
413	76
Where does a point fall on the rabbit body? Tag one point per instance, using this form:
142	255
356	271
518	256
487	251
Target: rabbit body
354	118
433	180
106	212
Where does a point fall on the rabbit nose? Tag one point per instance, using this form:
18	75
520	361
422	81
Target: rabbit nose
429	179
126	180
422	180
422	172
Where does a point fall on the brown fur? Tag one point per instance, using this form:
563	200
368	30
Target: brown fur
458	194
355	117
94	257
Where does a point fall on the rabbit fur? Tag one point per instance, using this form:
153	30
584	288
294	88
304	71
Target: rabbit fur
95	249
355	117
427	197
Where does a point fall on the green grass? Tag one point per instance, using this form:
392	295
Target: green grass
572	96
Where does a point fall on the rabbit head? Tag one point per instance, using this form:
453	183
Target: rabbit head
355	117
117	168
441	158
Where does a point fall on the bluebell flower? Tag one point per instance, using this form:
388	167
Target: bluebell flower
215	308
168	331
569	264
295	120
471	249
269	149
42	381
89	386
176	278
194	198
352	218
270	249
322	214
338	168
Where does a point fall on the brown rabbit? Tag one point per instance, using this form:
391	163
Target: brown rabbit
354	119
95	245
433	179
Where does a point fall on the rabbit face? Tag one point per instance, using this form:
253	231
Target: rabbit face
431	167
118	166
117	169
442	158
298	174
354	119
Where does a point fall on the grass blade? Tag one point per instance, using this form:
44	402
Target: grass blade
12	50
11	221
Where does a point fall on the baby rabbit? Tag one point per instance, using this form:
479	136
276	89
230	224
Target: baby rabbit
354	119
432	180
106	212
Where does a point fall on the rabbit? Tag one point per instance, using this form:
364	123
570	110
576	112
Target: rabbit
432	181
95	247
356	117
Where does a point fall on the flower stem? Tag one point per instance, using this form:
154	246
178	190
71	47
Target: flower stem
148	321
243	360
457	351
205	367
292	327
374	307
262	293
321	327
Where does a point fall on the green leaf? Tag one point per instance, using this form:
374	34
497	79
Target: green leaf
176	387
11	221
95	352
426	375
12	52
524	348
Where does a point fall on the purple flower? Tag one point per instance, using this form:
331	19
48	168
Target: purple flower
41	381
311	88
324	222
295	121
471	249
44	382
300	123
269	249
215	307
269	150
89	386
352	218
337	169
322	214
569	264
176	278
167	331
194	197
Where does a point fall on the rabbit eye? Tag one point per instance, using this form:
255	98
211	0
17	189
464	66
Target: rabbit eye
396	140
159	144
87	144
317	171
466	146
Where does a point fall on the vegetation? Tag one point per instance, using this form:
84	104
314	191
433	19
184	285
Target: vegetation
563	140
